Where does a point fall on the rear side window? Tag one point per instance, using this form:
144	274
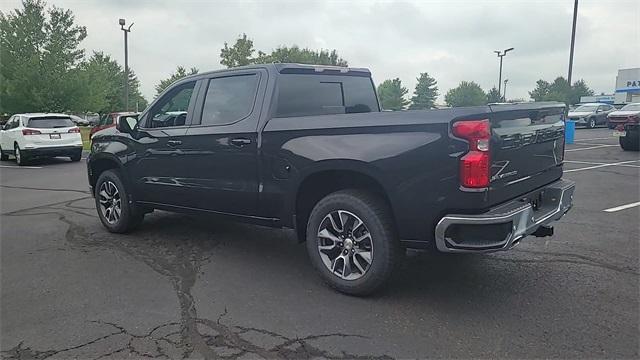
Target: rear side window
306	95
229	99
50	122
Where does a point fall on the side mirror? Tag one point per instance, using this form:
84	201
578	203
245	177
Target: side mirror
127	125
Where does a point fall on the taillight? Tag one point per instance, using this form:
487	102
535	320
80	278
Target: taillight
74	130
30	132
475	165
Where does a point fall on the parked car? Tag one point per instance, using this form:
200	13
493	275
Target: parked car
625	123
93	118
28	136
79	121
591	115
308	148
110	120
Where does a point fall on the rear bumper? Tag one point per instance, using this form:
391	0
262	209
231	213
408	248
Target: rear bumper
504	226
52	151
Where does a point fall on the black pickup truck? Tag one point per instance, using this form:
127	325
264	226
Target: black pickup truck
308	148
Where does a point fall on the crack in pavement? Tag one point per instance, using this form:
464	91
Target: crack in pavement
178	257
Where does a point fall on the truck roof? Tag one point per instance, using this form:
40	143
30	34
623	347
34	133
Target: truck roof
292	68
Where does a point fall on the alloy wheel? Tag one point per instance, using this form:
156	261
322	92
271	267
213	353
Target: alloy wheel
345	245
110	202
18	155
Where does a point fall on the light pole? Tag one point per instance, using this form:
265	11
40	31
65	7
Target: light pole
573	40
504	97
126	62
501	54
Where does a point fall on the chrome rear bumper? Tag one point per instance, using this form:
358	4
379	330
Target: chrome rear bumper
504	226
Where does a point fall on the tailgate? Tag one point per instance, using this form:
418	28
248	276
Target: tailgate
527	148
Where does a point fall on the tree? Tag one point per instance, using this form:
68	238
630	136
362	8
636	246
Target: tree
40	58
578	90
177	75
103	89
494	96
559	90
468	93
295	54
391	94
425	93
241	53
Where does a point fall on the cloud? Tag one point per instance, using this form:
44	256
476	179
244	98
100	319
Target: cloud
451	40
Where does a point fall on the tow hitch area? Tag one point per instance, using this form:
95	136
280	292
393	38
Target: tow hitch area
543	231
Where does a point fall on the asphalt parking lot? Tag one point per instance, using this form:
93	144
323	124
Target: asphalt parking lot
191	287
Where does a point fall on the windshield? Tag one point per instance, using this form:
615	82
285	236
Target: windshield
586	108
631	107
50	123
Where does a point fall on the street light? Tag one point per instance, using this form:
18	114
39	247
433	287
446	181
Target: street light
126	62
501	54
504	97
573	40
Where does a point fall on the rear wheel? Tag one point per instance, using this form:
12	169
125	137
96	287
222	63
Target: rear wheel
591	123
21	157
628	143
112	203
351	241
76	156
3	155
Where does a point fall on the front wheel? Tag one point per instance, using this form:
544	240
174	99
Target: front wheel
591	123
628	143
351	241
112	203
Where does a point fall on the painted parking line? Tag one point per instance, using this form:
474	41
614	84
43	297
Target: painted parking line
601	166
622	207
21	167
605	138
598	163
594	144
590	147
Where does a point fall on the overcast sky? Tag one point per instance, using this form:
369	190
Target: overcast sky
451	40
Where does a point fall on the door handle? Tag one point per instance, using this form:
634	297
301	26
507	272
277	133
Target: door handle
174	143
240	141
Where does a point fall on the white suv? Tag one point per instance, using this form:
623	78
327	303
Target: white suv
28	136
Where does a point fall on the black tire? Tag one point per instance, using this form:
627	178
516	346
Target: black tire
76	157
130	217
3	156
628	143
591	123
21	158
377	219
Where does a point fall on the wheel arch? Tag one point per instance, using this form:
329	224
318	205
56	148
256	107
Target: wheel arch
103	162
330	177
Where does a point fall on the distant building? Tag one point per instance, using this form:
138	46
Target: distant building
627	86
607	99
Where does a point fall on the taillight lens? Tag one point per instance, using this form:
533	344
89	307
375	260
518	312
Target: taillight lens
30	132
475	165
74	130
